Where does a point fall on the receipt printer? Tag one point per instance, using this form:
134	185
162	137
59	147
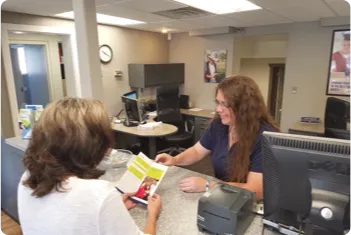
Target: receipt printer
225	210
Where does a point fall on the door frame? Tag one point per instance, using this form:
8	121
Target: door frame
71	61
48	64
271	66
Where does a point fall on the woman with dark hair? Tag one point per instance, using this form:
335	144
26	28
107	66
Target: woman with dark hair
233	139
60	192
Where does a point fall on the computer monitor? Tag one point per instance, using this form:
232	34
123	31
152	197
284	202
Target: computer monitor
133	109
306	183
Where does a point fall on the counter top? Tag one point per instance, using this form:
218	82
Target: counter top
18	142
205	113
179	209
317	128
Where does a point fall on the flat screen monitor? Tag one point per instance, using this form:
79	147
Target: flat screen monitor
306	178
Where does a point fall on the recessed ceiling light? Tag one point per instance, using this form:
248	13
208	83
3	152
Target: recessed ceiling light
104	19
221	6
164	30
18	32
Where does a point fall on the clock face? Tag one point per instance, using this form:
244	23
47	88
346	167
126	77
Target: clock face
105	54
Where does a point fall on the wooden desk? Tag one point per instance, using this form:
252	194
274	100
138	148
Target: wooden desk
159	131
307	129
206	113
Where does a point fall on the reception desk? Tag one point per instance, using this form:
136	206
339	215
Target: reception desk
179	209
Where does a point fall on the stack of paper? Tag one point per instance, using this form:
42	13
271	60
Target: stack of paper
149	125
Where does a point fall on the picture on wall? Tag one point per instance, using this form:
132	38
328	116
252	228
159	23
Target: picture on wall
339	66
215	65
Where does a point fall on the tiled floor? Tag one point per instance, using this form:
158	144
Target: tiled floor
9	226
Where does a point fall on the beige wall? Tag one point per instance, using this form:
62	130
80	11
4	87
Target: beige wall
307	57
258	69
128	45
191	50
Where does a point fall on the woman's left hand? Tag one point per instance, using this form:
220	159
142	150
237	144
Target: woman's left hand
127	202
193	185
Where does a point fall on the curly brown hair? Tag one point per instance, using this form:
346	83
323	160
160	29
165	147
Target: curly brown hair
70	138
245	99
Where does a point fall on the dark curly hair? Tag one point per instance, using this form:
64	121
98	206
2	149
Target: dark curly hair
70	138
245	99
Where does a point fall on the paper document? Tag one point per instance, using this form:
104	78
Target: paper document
143	177
152	114
195	109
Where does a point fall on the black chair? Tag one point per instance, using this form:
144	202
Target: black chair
168	111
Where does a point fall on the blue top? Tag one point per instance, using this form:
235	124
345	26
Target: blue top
215	139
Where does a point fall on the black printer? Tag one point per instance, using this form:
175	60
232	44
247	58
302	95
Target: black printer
225	210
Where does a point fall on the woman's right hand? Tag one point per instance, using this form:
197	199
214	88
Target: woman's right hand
165	159
154	205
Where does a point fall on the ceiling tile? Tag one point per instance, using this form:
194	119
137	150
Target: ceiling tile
341	7
37	7
151	5
124	12
259	17
181	24
218	21
153	28
106	2
272	4
307	12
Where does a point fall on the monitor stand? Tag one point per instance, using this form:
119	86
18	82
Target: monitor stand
130	123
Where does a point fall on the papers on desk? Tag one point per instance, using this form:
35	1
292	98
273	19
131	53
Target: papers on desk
152	114
195	109
149	125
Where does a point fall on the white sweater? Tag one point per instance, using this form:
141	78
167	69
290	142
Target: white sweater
89	207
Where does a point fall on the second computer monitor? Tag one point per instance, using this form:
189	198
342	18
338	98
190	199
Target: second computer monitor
304	175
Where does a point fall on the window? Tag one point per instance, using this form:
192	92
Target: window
22	60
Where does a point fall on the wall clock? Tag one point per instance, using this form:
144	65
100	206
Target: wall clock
105	53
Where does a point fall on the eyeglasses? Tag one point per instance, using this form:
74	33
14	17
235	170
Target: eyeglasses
221	105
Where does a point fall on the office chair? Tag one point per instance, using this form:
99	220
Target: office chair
168	111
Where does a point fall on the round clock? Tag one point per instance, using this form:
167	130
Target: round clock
105	53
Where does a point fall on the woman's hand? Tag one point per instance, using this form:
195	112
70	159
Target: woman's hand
165	159
193	185
127	202
154	205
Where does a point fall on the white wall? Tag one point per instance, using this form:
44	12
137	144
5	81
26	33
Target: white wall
258	69
128	45
190	50
307	57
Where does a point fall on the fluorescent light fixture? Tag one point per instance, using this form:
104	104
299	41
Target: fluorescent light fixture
104	19
221	6
22	60
18	32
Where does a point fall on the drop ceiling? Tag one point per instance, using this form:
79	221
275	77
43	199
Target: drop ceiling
272	12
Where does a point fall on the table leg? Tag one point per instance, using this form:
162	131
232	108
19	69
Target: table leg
152	147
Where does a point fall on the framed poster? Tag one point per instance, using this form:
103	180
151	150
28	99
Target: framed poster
215	65
339	64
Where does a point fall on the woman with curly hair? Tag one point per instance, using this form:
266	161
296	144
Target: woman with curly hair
60	192
233	139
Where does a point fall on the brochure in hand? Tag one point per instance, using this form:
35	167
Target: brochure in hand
143	177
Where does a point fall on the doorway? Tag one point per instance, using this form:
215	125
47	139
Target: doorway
29	65
276	89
